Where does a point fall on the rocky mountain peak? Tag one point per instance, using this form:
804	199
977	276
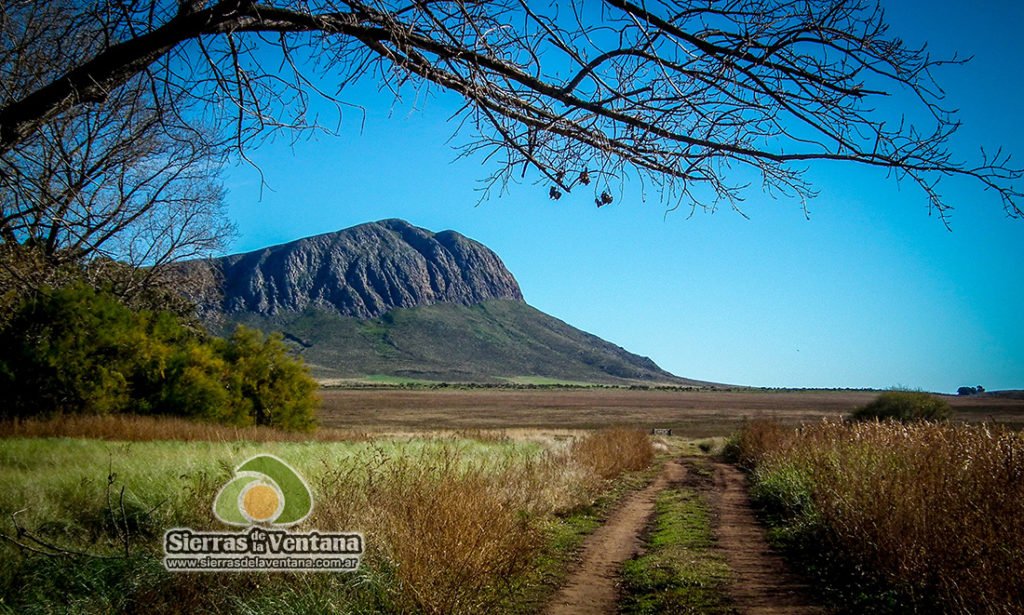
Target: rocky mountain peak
365	271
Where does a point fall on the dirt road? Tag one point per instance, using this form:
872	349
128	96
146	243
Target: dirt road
761	583
593	587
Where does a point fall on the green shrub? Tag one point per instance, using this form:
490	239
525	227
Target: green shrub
277	387
200	385
731	449
78	350
73	350
905	406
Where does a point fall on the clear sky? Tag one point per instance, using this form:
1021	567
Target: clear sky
870	292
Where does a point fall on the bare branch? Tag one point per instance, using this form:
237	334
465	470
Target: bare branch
690	96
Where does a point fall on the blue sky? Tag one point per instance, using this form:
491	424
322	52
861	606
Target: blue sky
870	292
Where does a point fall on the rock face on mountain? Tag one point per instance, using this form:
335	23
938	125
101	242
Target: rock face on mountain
365	271
394	301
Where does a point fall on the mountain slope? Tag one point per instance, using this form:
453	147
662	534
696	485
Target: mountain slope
391	299
494	341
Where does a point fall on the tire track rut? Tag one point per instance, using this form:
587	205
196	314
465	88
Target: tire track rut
593	587
761	582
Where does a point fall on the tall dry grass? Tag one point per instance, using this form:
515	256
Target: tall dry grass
610	452
935	512
134	428
453	524
455	533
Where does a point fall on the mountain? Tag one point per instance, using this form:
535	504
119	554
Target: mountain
365	271
388	300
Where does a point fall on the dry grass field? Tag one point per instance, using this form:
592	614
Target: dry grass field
922	517
694	414
82	519
416	469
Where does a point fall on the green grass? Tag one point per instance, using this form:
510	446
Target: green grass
395	380
543	381
493	342
57	488
52	476
67	492
679	571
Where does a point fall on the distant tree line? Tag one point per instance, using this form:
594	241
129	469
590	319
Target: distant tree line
970	390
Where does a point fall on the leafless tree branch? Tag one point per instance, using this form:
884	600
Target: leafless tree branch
696	98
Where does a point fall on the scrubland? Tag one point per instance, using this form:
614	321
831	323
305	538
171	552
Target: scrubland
480	515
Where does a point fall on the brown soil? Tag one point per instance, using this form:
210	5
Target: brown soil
761	585
694	414
593	586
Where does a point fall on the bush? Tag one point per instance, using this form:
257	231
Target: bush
783	491
905	406
276	387
76	350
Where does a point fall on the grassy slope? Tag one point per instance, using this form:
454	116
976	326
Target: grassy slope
496	341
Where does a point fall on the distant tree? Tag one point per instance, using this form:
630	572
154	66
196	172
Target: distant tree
679	93
966	391
979	389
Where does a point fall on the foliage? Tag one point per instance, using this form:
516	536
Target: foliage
273	386
182	290
905	406
78	350
893	517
